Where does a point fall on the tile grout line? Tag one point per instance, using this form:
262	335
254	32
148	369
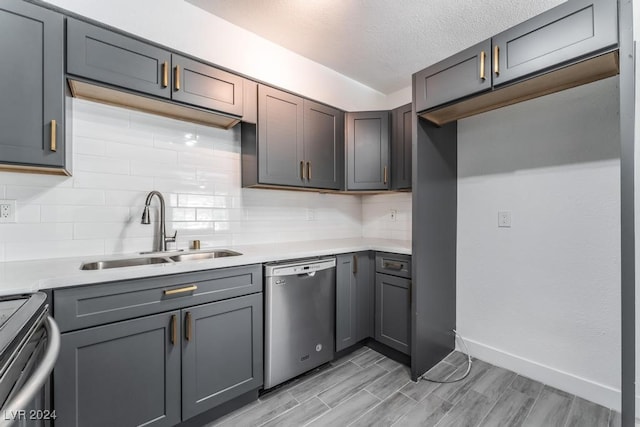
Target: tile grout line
320	415
573	400
369	410
535	400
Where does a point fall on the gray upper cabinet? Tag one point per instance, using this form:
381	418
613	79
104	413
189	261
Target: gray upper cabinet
323	146
571	31
104	56
32	86
221	352
296	143
205	86
401	148
122	374
368	150
463	74
280	138
354	298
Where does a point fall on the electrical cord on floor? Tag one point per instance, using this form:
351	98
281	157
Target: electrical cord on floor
468	365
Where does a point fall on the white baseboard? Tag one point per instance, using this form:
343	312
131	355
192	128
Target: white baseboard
599	393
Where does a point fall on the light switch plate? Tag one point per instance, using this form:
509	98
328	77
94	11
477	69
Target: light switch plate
504	219
7	211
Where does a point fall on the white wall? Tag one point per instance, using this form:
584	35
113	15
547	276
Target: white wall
120	155
376	216
184	27
543	297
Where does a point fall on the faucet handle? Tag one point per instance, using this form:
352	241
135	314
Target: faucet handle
172	238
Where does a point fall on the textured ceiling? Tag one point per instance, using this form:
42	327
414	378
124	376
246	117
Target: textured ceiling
378	43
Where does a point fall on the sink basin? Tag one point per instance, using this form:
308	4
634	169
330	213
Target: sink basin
204	255
117	263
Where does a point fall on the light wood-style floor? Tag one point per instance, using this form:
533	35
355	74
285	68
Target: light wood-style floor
365	388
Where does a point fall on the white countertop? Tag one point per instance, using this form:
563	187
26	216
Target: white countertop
30	276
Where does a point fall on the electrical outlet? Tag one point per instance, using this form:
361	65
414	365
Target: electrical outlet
311	214
7	211
393	215
504	219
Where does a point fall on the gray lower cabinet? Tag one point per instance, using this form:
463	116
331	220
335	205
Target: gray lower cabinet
221	352
122	374
367	160
354	298
393	300
401	148
463	74
32	86
571	31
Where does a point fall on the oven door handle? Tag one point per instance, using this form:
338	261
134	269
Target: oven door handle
34	384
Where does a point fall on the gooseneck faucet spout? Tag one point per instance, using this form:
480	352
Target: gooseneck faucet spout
163	240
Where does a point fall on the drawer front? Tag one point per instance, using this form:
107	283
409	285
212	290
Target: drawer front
393	264
81	307
461	75
564	34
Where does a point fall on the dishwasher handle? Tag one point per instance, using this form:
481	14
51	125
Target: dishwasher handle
297	268
34	384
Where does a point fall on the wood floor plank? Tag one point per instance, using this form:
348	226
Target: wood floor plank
368	358
387	412
323	381
389	364
422	388
454	392
298	416
494	382
551	409
471	408
348	410
615	419
351	385
456	358
348	357
511	409
527	386
390	383
427	413
262	412
585	413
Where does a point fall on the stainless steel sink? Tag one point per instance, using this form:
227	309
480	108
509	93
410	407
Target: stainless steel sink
204	255
117	263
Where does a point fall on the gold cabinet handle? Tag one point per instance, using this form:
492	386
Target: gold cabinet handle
174	329
483	56
496	60
176	78
384	173
355	264
54	134
309	171
165	74
187	321
180	290
302	170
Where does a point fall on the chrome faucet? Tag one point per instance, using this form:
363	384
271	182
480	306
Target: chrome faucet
162	242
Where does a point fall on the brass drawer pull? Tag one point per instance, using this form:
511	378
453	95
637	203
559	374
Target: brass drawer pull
180	290
355	264
496	60
176	78
174	329
54	134
187	321
393	265
165	74
483	56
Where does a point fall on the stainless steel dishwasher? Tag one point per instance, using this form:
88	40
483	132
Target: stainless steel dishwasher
299	317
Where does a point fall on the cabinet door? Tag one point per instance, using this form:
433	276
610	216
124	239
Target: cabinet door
323	146
573	30
205	86
401	148
393	308
221	352
122	374
280	138
465	73
32	85
368	150
101	55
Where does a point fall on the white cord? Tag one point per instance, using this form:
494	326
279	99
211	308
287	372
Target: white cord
468	364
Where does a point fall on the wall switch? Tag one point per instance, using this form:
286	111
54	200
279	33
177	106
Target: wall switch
504	219
393	215
7	211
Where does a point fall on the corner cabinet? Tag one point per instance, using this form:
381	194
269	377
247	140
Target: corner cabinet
32	87
158	351
295	143
367	159
354	298
401	148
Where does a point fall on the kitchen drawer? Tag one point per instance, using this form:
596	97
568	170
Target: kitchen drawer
85	306
393	264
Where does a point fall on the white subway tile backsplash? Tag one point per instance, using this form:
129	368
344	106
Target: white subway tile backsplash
121	155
